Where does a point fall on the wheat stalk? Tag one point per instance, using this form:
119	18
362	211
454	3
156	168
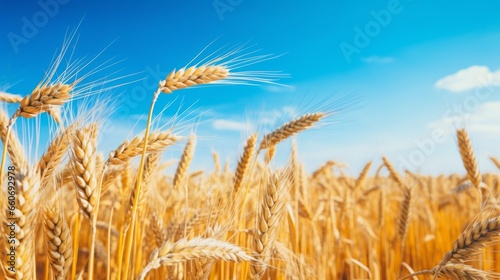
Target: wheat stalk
193	76
14	147
10	98
43	99
158	229
187	156
291	128
495	161
150	167
362	175
58	240
393	173
196	248
472	240
469	159
157	142
243	163
460	272
271	211
83	162
54	154
405	214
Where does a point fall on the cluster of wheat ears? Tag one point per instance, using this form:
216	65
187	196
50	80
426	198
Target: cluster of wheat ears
131	220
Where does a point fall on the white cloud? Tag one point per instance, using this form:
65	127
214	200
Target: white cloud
378	59
280	88
274	116
222	124
485	119
469	78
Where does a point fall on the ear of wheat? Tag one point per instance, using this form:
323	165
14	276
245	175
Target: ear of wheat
271	211
196	248
193	76
157	142
84	168
58	240
291	128
243	163
468	157
43	99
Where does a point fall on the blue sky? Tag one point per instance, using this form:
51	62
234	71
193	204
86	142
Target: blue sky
411	71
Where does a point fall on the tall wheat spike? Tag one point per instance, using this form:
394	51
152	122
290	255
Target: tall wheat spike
58	240
362	176
84	168
392	172
495	161
243	163
468	157
272	208
185	161
469	161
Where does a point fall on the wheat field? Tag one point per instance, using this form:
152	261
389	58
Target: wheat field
81	213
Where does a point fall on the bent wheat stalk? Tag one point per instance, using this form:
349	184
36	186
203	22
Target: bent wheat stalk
196	248
175	80
10	98
291	128
42	99
472	240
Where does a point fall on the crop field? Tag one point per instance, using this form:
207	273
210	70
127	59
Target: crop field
259	140
79	213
